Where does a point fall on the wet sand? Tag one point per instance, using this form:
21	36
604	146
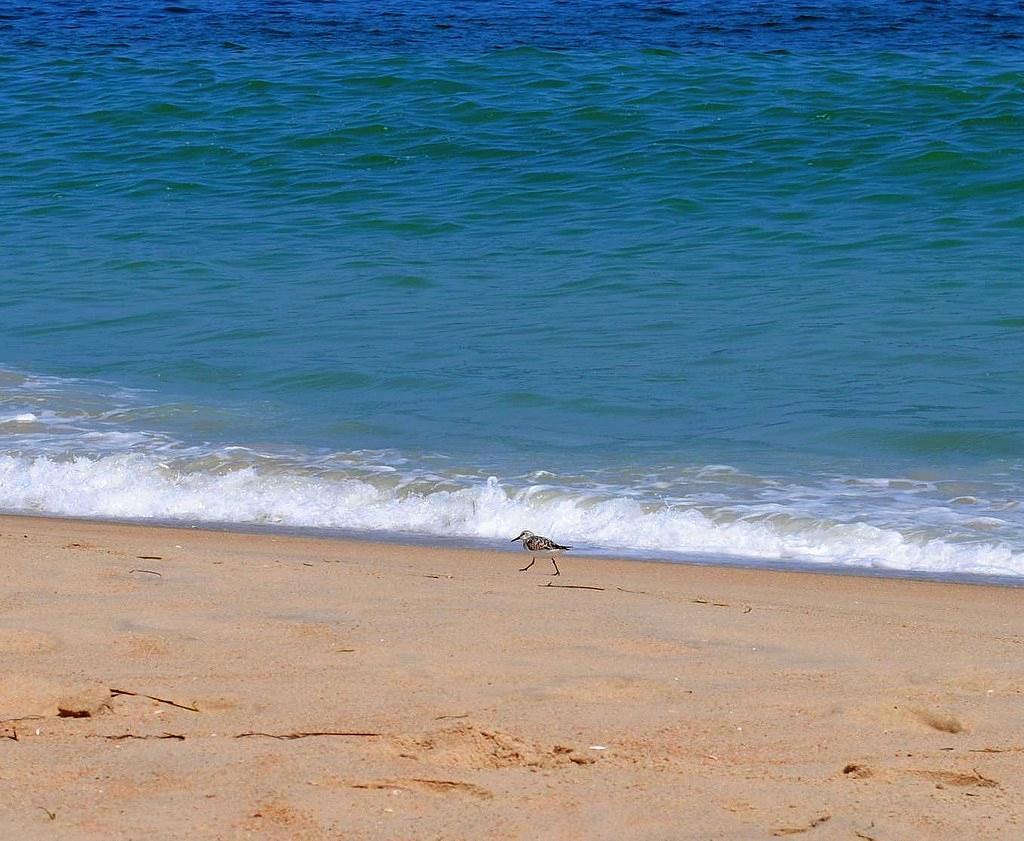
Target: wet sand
176	683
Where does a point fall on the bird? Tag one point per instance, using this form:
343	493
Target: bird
537	545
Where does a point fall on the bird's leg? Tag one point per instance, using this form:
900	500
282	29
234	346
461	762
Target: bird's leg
532	562
556	572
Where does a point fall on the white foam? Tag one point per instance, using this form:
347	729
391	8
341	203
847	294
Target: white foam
142	486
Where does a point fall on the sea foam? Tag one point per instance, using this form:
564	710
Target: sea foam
140	486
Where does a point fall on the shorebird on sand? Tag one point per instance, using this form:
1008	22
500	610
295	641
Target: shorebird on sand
537	545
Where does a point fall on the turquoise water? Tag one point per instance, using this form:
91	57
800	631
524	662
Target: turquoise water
661	279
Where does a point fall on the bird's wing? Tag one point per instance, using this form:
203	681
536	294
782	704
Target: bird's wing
543	544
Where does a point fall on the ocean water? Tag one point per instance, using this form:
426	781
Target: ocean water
729	280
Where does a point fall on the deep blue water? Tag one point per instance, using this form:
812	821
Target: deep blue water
664	278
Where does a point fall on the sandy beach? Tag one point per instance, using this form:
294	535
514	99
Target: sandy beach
167	683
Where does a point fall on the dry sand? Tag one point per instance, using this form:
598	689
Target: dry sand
675	702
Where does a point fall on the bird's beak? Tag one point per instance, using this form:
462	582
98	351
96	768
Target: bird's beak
513	540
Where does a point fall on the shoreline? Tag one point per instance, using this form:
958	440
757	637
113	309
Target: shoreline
174	682
404	539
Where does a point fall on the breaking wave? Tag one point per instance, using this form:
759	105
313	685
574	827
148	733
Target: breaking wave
230	488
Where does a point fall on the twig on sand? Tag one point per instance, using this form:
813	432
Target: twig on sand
150	557
443	717
708	601
702	600
154	698
637	592
570	586
306	735
983	780
147	571
176	736
51	815
13	735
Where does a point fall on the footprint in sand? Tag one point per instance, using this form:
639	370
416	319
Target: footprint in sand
936	719
468	746
27	696
974	779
